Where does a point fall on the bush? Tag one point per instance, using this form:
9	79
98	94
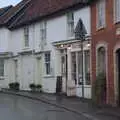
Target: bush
14	86
32	86
39	88
98	88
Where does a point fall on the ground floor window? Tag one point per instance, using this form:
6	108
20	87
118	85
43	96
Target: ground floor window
76	61
87	67
1	67
47	63
101	60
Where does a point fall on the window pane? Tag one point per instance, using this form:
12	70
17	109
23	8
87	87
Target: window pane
63	65
101	13
47	62
73	58
79	68
47	68
26	36
43	30
117	10
47	57
70	22
1	67
87	67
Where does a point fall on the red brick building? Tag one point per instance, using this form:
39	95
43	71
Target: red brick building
105	44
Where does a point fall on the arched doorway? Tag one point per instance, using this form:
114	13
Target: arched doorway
118	75
101	72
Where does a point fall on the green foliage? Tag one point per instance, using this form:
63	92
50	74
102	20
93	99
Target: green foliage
98	88
39	86
14	86
34	87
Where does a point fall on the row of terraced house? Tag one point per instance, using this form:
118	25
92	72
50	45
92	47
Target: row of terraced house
38	44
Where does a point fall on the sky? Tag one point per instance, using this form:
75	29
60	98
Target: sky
4	3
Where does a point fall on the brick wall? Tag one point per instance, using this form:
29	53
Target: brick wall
106	36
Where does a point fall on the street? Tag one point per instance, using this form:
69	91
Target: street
20	108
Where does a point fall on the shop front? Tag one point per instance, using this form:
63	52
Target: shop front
74	65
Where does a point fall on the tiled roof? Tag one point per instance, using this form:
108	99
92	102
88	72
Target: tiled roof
5	9
38	9
31	10
11	13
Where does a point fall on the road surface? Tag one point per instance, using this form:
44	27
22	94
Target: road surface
20	108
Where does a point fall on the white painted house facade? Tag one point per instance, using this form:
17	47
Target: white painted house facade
42	50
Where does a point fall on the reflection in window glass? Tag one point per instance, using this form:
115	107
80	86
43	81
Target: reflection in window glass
87	67
73	55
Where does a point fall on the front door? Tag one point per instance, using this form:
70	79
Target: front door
118	71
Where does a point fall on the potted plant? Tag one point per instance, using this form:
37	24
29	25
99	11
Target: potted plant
32	86
39	88
16	86
11	86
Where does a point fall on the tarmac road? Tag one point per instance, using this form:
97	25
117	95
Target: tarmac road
20	108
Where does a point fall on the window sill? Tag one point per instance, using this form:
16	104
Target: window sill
26	48
2	78
100	28
85	86
117	22
72	37
48	76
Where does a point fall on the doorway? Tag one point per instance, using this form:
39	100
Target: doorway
118	73
101	71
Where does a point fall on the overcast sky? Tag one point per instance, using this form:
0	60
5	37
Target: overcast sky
4	3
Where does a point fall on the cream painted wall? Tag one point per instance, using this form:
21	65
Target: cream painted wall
27	65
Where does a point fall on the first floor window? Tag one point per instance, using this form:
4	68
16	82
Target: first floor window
117	10
100	14
43	31
26	36
1	67
70	22
47	63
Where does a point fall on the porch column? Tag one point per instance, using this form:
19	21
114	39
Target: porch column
71	90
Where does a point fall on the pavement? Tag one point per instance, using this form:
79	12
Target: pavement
75	105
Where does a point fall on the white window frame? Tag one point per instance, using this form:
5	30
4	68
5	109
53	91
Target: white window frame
78	76
116	11
101	14
1	68
47	62
26	36
43	32
70	24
